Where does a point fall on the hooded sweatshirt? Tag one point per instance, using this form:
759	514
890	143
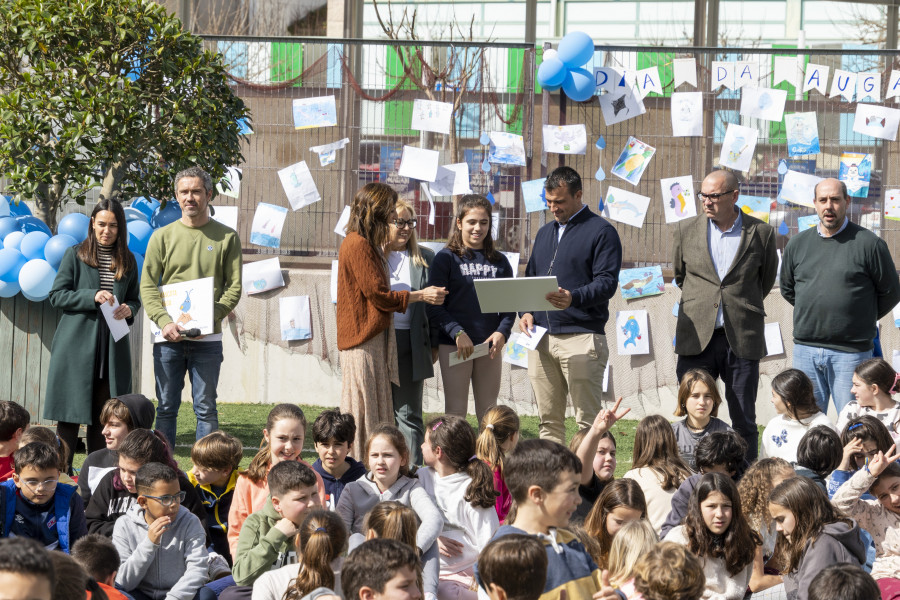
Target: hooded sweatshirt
261	546
837	543
174	569
335	485
217	503
100	462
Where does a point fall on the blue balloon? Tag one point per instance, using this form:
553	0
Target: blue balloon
8	289
140	265
138	236
552	88
75	225
36	279
11	262
13	240
4	207
56	247
33	243
28	224
35	298
7	226
551	72
576	49
145	205
169	214
580	85
133	214
18	210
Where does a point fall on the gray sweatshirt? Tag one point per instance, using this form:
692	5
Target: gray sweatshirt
175	569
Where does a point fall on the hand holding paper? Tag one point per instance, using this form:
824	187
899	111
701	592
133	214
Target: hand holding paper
115	315
476	352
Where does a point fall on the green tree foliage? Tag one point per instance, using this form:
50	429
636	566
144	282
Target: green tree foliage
111	93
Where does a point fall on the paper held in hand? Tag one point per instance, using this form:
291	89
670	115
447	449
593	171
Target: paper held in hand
477	352
190	304
117	327
524	294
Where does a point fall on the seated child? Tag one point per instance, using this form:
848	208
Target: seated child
863	438
320	540
621	502
119	416
72	583
499	435
669	572
513	567
99	558
49	437
843	582
333	434
874	384
698	403
34	506
267	537
381	569
117	490
216	459
14	420
793	399
25	570
820	452
595	447
719	452
161	543
543	478
632	541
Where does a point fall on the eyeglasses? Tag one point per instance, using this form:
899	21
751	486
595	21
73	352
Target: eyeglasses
401	223
169	500
34	485
714	197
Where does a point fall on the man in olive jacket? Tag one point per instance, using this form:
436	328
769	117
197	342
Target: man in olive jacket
725	264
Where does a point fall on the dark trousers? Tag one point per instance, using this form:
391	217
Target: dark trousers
68	432
407	398
741	378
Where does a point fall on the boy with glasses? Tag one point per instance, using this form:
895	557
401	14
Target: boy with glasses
161	543
33	506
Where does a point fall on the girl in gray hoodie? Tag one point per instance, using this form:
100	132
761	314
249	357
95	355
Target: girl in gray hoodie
812	534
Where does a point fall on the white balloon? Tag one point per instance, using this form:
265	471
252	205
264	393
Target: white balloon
549	53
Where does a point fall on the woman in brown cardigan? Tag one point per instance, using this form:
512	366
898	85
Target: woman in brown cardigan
365	307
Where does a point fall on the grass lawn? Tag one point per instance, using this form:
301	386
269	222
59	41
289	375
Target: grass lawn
246	421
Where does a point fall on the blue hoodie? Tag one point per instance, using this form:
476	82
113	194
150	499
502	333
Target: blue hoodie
334	486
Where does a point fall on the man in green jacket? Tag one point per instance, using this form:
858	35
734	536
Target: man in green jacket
194	247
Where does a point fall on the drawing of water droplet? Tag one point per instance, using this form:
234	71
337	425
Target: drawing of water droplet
782	167
783	228
601	143
486	166
485	139
490	198
600	175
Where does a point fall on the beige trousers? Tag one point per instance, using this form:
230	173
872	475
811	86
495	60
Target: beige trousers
484	375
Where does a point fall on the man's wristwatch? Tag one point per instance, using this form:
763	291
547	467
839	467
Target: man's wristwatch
458	333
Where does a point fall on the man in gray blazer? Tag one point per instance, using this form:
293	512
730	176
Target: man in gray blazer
725	264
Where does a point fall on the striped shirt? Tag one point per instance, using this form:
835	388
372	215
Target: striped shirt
104	260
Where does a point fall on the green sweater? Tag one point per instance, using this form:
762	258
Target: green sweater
839	287
261	547
178	253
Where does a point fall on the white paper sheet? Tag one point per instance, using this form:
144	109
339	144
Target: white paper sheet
299	185
774	343
230	185
607	79
896	315
843	84
868	85
687	114
620	105
426	192
332	286
606	378
190	304
799	188
679	201
738	147
429	115
537	332
763	103
877	121
262	276
648	81
525	294
892	205
451	180
513	258
721	73
632	336
227	215
816	78
343	220
685	71
268	222
625	207
118	328
328	152
515	354
419	163
294	318
893	88
564	139
495	223
479	351
785	70
746	74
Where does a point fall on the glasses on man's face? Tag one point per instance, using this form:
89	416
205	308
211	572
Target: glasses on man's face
169	500
36	485
714	197
402	223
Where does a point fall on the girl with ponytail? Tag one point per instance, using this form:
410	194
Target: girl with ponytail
499	435
462	486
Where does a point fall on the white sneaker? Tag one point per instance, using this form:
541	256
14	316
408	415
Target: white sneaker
218	566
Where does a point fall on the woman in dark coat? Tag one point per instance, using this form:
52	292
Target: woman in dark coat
86	366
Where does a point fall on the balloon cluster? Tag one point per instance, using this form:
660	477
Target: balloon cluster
30	254
563	68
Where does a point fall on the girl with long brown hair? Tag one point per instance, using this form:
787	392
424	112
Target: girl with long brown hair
365	305
499	435
620	502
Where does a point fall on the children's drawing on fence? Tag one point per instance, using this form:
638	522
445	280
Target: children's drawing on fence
802	133
678	198
268	221
294	317
855	171
632	336
763	103
299	185
755	206
262	275
507	148
738	147
620	105
641	281
564	139
687	114
430	115
514	353
625	207
807	222
314	112
633	160
876	121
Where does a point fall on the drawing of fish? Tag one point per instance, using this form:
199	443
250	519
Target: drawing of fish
633	331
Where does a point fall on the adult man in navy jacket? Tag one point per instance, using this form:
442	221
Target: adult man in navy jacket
584	252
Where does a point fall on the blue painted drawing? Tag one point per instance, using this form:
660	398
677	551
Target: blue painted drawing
507	149
632	331
641	281
855	171
533	195
314	112
186	305
802	133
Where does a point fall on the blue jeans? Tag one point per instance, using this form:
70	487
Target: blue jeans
831	372
202	362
